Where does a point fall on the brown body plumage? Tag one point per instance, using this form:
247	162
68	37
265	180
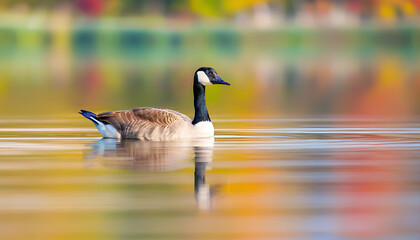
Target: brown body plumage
149	123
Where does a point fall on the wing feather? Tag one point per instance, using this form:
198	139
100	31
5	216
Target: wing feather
138	121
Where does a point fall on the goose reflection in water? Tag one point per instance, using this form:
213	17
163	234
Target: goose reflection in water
160	156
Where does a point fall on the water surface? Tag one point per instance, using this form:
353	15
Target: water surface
257	179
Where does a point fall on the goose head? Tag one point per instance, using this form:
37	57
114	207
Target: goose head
207	76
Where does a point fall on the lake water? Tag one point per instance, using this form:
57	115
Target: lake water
257	179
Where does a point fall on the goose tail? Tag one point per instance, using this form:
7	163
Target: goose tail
106	130
91	116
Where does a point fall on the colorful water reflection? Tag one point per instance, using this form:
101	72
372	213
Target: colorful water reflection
258	179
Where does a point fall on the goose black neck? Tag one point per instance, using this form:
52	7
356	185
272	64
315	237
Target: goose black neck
201	113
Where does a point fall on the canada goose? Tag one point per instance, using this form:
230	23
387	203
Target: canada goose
147	123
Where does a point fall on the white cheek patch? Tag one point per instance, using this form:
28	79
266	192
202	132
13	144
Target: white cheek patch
203	79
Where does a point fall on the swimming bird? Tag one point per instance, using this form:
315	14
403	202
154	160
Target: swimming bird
157	124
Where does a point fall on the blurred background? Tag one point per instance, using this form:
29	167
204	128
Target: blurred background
284	58
318	136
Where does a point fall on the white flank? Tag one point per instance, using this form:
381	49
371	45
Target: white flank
203	79
107	131
204	129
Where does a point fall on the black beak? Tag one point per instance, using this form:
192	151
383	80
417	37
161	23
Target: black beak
220	81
